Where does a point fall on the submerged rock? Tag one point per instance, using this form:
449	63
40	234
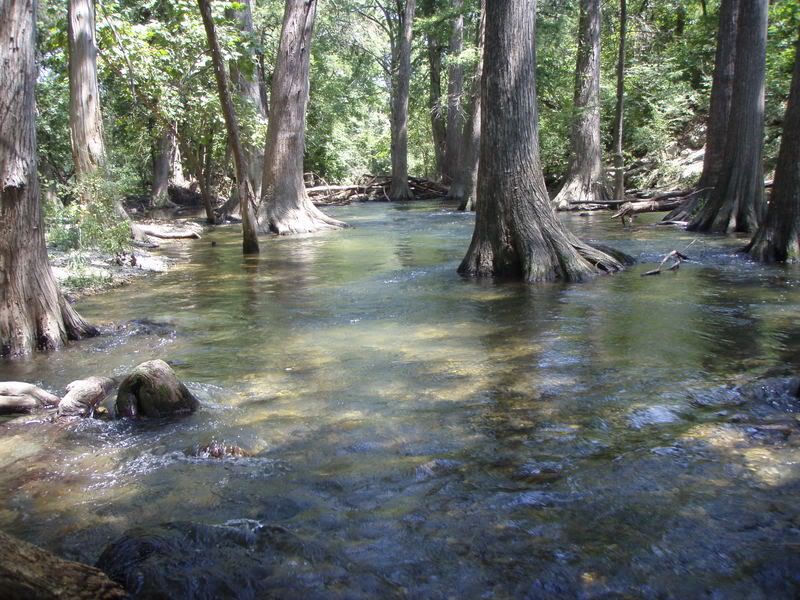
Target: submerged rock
219	450
153	390
83	396
652	415
28	572
238	559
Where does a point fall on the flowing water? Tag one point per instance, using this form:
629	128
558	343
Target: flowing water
414	434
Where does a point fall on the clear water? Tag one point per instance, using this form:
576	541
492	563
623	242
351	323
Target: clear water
447	437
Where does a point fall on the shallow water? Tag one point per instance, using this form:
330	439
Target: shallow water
427	436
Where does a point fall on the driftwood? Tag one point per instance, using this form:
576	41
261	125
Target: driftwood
169	233
28	572
20	397
661	202
83	396
676	257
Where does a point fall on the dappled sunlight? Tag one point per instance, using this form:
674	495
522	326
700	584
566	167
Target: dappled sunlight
399	420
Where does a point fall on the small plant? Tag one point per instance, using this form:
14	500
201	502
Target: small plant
89	220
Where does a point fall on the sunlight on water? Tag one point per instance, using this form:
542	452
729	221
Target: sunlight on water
423	435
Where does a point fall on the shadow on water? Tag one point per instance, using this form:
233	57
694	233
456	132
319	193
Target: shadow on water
415	434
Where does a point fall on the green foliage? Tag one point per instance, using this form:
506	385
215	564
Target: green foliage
89	220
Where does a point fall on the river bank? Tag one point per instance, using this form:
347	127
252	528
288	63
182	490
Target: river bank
82	273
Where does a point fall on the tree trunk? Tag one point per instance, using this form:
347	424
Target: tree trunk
778	237
517	233
455	89
619	111
438	123
33	313
241	161
719	110
584	181
399	189
737	201
176	176
463	188
203	170
85	117
285	207
159	192
249	89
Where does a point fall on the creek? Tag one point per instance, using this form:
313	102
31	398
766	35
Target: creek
415	434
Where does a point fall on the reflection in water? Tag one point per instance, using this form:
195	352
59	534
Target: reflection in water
416	434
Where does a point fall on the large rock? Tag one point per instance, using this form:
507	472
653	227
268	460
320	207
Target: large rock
30	573
83	396
19	397
153	390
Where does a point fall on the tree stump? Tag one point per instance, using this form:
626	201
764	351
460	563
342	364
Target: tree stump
19	397
84	395
153	390
30	573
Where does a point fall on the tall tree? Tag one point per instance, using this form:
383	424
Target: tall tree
285	207
162	161
401	81
778	237
434	47
86	120
246	197
584	181
247	81
619	109
718	113
33	313
466	181
85	116
455	89
517	233
737	201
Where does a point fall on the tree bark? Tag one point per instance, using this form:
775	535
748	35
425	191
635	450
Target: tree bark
463	188
285	207
249	88
584	181
159	191
737	201
176	176
33	313
401	72
455	89
86	120
778	237
246	197
719	110
517	233
85	116
619	111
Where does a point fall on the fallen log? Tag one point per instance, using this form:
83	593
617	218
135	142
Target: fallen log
31	573
169	233
20	397
632	208
662	202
